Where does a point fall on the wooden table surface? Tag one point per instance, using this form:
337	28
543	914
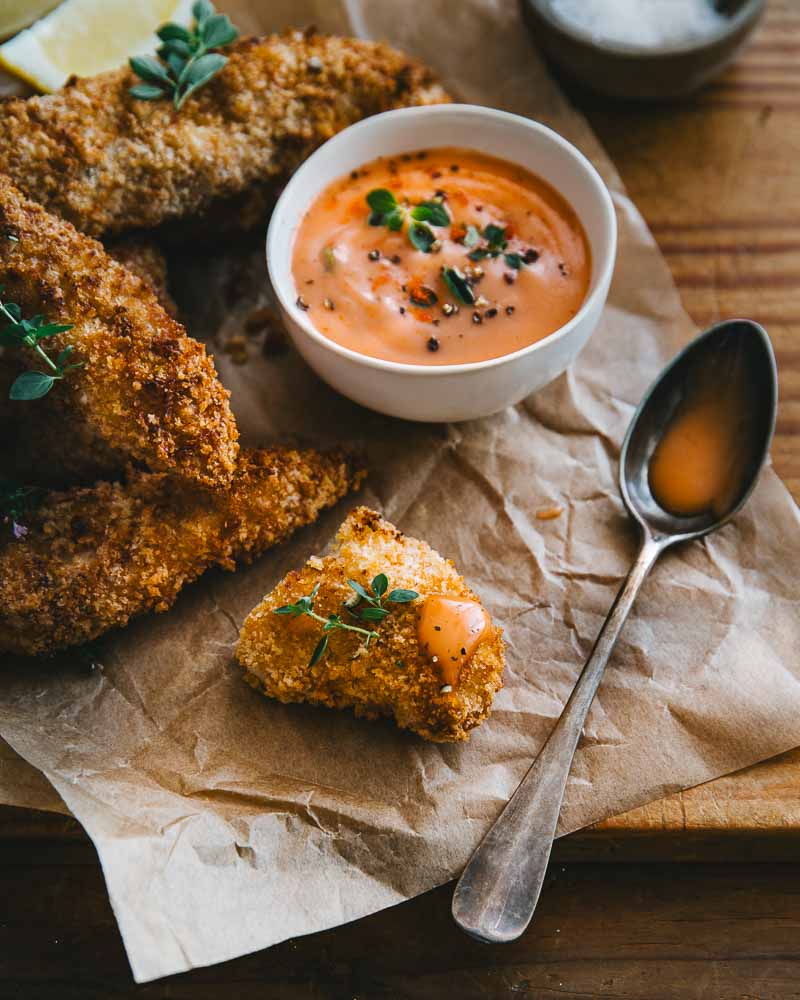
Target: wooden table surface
718	180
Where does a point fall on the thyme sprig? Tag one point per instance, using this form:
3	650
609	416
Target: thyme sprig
185	61
375	611
20	332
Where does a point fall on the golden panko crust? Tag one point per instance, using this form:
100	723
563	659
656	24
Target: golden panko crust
145	391
90	559
144	258
109	163
392	677
75	458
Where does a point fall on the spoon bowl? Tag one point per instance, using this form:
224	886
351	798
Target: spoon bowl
709	356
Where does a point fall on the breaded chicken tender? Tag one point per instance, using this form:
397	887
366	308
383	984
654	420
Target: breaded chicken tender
146	392
77	458
110	163
87	560
393	675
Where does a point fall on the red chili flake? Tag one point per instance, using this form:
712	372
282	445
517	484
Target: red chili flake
477	318
509	310
454	167
301	303
433	344
530	256
436	174
396	258
458	232
491	313
509	277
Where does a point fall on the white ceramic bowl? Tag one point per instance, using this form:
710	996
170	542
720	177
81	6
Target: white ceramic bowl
445	392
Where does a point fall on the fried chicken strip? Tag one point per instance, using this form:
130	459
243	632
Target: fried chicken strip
146	392
393	675
52	460
110	163
91	559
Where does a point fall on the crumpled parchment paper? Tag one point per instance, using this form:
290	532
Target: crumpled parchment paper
226	823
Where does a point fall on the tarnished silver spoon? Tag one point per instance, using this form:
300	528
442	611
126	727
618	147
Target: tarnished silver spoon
497	893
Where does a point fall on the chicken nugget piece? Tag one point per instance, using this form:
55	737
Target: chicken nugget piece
110	163
145	390
81	562
434	664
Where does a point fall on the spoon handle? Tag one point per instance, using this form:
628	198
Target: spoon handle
498	890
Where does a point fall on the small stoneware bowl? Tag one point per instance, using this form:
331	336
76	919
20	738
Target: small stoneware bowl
445	392
638	72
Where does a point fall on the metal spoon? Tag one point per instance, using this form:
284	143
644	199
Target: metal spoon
498	890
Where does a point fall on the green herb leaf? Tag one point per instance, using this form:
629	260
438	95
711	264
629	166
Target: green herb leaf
402	596
381	200
495	235
14	310
149	69
394	220
431	211
287	609
472	237
200	72
44	330
373	614
380	585
170	32
421	236
319	651
478	254
424	297
513	260
202	10
218	31
146	92
458	285
31	385
356	586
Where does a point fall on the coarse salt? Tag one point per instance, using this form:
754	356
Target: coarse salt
643	23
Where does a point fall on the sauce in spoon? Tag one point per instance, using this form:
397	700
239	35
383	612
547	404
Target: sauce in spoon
697	464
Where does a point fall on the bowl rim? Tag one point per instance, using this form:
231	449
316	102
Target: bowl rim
749	11
605	272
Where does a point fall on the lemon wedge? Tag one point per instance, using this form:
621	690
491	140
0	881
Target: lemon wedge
85	37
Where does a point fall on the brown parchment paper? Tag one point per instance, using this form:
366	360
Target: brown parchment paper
226	823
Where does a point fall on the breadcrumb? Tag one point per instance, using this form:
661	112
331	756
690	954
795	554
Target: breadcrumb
90	559
392	676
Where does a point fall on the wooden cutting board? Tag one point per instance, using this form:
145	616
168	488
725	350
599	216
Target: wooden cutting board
718	181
